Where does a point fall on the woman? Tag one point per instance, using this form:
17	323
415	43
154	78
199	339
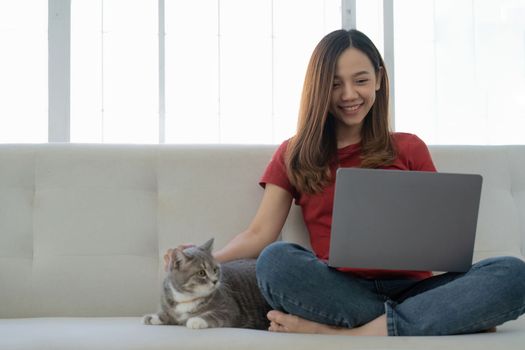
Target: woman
343	122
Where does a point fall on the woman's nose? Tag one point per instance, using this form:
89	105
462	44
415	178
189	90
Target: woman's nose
349	92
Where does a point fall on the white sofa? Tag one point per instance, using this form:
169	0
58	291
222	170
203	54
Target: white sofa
83	229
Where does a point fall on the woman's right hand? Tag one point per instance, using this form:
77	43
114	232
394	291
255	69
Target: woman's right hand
169	253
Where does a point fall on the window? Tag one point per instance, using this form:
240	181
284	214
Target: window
460	72
23	71
233	69
370	21
114	71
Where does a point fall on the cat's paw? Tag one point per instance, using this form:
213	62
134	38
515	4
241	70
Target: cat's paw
196	323
152	319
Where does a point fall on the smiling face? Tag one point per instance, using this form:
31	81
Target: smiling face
353	94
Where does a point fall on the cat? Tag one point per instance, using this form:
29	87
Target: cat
198	292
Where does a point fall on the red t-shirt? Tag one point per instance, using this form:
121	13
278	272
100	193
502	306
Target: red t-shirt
413	154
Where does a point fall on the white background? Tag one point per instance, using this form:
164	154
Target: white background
234	68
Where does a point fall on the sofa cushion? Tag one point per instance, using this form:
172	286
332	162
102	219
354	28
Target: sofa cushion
129	333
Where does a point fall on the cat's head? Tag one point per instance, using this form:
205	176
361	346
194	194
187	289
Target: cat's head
193	271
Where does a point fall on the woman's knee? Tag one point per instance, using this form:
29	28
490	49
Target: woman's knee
504	265
279	257
514	268
283	265
508	272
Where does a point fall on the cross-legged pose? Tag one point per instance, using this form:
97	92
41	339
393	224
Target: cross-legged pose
343	122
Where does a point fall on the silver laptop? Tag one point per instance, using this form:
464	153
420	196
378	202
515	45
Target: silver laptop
404	220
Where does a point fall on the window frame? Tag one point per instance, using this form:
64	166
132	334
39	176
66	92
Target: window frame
59	14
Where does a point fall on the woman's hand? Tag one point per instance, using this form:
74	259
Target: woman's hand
170	251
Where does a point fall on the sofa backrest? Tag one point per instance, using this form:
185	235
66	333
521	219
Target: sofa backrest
83	227
501	221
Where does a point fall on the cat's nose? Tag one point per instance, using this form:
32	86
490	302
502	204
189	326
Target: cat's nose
214	282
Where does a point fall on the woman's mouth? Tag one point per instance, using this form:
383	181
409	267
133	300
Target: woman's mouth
351	108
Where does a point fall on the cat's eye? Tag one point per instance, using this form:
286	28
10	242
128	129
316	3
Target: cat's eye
201	273
216	270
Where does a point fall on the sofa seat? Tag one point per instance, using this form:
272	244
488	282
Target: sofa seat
122	333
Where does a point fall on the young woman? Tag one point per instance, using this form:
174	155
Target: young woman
343	122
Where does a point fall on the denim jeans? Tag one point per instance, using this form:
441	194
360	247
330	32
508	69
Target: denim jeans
492	292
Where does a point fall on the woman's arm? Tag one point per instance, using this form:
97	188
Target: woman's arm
264	228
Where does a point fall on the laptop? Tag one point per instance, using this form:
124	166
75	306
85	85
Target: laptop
404	220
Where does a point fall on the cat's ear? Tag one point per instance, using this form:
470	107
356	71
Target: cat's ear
177	258
208	246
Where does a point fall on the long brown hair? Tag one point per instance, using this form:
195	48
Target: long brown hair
314	146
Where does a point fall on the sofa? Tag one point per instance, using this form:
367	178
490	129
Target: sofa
83	229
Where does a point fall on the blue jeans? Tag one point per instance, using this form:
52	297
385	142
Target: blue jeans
492	292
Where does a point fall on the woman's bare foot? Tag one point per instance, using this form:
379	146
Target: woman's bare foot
281	322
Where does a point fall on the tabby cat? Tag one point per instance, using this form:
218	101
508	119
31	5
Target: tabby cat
201	293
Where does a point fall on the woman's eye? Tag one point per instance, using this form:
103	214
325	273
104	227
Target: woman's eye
362	81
